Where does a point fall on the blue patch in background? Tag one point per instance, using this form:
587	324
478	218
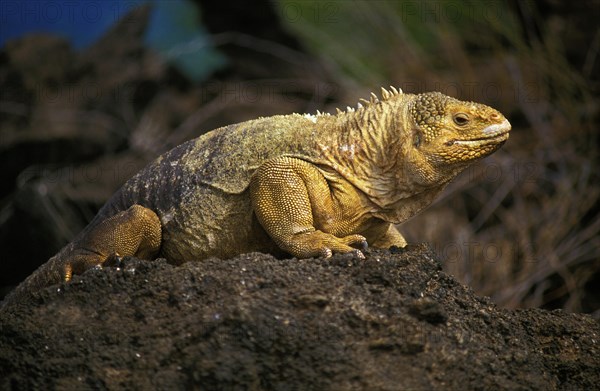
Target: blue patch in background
174	29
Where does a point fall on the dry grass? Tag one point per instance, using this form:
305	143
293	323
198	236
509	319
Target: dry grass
523	226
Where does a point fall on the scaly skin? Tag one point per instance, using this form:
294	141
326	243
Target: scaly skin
294	184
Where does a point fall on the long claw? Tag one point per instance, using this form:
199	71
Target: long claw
114	259
358	254
68	273
364	245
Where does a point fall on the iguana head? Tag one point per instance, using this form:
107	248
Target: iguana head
409	147
448	130
448	133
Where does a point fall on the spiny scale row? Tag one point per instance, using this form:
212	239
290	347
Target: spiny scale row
385	95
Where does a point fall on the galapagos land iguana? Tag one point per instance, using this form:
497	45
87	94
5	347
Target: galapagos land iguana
304	185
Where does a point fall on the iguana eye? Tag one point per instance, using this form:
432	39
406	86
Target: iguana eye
416	139
461	119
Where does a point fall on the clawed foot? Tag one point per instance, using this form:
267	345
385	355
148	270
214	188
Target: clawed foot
113	260
321	244
354	253
81	264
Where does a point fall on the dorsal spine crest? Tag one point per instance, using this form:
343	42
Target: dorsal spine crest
373	100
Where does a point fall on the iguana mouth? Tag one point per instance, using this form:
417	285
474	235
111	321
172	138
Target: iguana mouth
497	138
497	133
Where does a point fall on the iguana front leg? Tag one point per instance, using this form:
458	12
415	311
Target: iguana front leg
292	200
392	237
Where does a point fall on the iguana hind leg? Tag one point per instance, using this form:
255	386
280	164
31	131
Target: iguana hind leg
133	232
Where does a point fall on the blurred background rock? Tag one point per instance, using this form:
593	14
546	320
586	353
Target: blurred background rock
90	91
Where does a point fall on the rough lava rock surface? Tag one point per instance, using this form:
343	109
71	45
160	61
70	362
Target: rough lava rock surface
394	321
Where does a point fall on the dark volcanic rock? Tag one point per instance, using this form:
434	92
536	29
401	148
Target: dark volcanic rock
392	321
